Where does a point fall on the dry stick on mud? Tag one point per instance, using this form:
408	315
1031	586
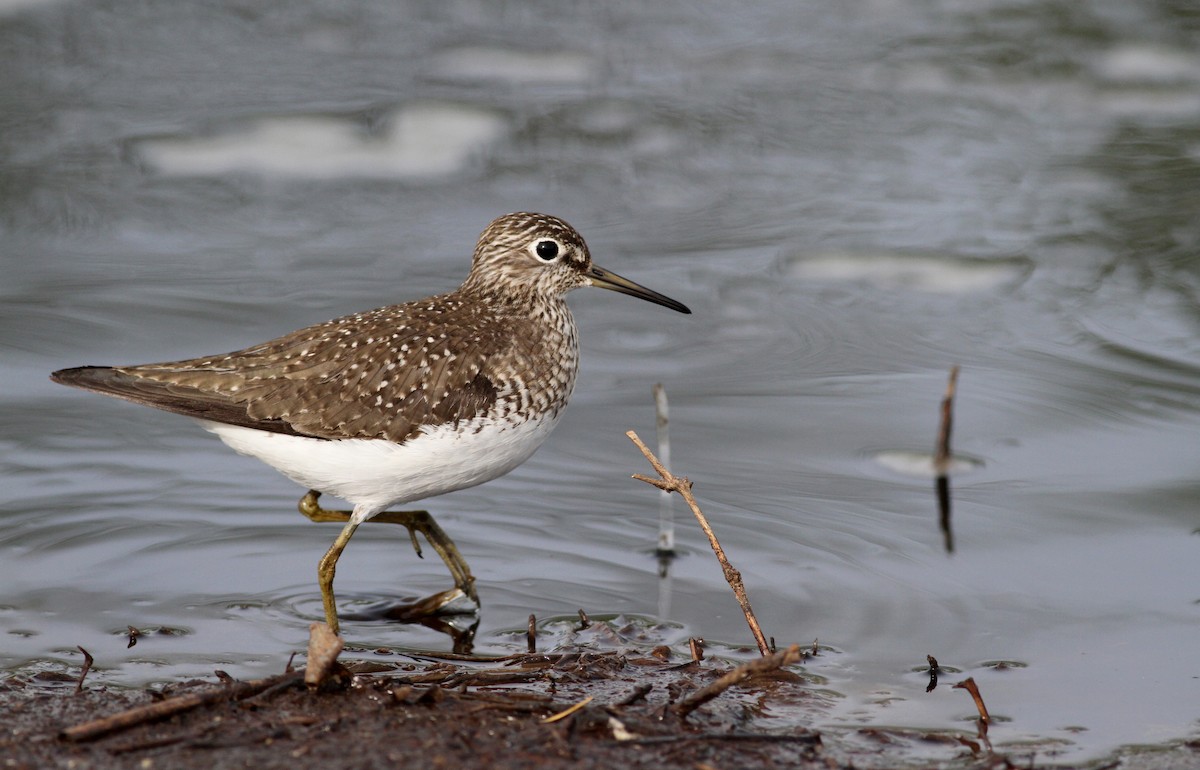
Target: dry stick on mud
672	483
160	709
763	665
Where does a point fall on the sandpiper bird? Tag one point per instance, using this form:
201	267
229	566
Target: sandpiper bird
403	402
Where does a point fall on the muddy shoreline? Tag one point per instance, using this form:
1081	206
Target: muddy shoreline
578	709
552	710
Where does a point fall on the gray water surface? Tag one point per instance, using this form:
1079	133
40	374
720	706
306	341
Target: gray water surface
851	197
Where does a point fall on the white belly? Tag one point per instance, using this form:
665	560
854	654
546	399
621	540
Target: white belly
374	474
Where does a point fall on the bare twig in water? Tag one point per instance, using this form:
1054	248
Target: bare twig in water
88	660
934	669
763	665
165	708
666	513
969	685
941	487
531	634
680	484
942	458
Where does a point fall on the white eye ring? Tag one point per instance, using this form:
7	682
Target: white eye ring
546	250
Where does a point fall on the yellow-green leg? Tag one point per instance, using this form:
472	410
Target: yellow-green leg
325	570
414	521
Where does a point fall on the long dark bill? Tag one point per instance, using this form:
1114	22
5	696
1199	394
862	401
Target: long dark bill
605	279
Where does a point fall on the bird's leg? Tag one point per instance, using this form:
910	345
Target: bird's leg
414	521
327	567
423	522
313	510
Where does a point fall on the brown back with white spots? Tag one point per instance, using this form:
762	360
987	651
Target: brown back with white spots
501	345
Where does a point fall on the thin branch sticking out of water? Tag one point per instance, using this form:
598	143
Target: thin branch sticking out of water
984	720
969	685
672	483
666	511
942	458
88	660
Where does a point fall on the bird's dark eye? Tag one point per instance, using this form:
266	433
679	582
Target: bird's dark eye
546	250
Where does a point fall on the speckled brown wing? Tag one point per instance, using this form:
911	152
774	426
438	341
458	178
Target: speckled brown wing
381	374
164	395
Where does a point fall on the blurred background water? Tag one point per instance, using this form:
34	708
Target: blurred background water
851	197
